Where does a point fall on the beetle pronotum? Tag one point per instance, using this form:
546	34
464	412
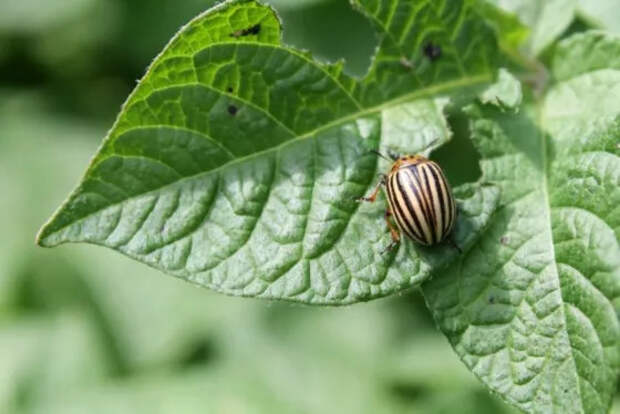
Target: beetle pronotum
419	198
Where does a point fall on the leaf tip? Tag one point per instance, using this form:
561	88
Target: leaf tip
41	238
47	236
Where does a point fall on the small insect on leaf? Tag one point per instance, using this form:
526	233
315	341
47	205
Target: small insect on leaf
232	109
432	51
253	30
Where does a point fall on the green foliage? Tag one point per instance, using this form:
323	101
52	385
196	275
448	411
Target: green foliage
234	165
603	14
546	19
236	161
532	311
549	19
585	52
84	329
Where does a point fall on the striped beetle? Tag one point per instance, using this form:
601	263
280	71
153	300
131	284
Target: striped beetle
419	198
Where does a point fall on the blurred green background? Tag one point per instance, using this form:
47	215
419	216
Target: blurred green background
84	329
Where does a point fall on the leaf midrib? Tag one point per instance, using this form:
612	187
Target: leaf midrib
547	208
545	189
420	93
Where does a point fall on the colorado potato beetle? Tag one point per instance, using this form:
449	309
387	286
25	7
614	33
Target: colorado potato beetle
419	198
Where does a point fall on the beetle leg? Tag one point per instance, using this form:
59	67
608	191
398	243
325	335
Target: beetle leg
452	243
393	231
373	196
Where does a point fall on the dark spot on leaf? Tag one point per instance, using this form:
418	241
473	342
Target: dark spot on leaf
432	51
491	299
198	353
253	30
408	391
232	109
504	240
229	89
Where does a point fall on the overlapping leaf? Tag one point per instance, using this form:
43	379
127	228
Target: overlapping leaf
532	310
547	20
235	162
602	13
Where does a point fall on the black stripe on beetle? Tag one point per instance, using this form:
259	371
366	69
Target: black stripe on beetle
403	206
409	192
420	200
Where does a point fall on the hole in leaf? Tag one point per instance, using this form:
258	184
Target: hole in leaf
458	158
331	30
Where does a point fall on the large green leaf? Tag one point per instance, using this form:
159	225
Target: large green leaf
586	52
547	19
235	162
532	310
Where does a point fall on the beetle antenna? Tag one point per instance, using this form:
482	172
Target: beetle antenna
393	155
380	154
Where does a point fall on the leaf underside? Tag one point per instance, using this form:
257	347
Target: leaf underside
235	162
532	310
